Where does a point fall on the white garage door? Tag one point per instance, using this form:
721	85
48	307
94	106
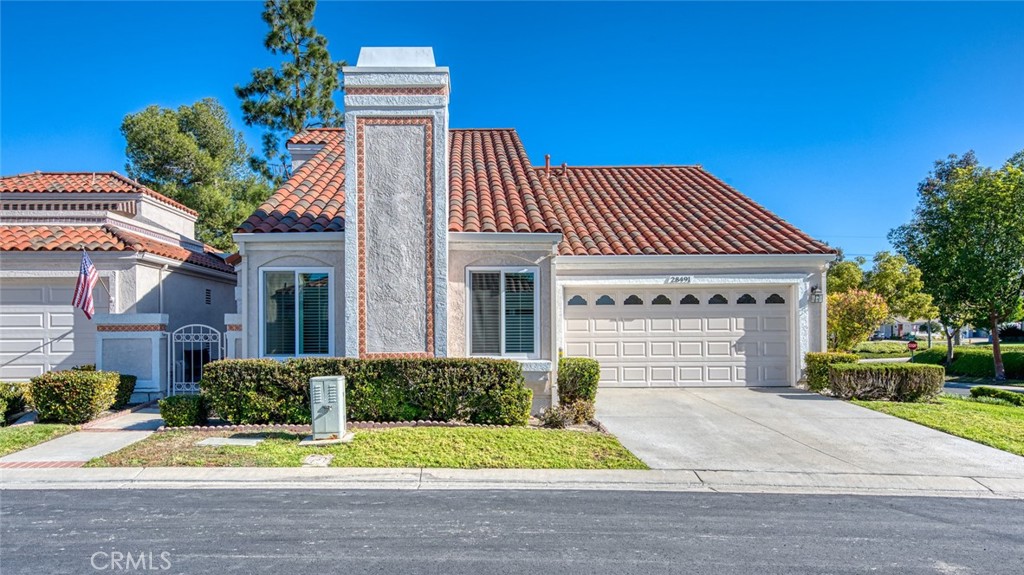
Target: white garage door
36	312
683	337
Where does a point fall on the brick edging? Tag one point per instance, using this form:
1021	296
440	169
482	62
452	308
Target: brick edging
108	417
357	425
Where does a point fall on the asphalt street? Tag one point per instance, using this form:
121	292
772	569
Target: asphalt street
483	532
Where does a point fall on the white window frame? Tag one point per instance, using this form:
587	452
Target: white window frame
535	271
331	327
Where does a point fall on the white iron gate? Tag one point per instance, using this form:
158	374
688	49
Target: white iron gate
192	347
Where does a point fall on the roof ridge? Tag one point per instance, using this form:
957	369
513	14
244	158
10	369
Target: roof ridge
627	166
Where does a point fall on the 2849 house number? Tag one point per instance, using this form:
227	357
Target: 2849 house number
680	279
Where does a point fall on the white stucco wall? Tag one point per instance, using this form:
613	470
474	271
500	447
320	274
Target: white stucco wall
312	250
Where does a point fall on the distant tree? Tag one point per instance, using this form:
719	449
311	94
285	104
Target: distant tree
193	155
899	282
852	317
846	275
298	95
967	237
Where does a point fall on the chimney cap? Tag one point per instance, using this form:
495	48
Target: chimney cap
396	57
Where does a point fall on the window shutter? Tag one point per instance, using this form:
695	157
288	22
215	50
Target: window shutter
519	312
485	294
314	320
279	313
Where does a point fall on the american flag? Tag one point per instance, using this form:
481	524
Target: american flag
87	278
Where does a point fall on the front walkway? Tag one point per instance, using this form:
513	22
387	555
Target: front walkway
786	431
74	449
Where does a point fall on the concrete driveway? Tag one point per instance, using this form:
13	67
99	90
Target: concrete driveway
786	430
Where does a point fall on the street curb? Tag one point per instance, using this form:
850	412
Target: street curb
675	480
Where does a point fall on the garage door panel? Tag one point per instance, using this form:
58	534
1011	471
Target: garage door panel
13	295
15	347
21	321
64	320
65	345
683	345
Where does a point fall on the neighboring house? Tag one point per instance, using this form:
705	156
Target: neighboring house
400	237
154	276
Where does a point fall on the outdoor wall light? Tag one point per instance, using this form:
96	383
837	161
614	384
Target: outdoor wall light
816	295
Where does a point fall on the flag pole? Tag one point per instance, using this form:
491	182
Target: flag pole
110	298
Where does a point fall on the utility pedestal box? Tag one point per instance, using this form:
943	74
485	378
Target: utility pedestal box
327	401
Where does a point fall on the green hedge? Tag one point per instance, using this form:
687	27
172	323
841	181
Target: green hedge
577	379
976	361
73	396
888	381
475	390
1007	396
182	410
818	364
13	399
125	389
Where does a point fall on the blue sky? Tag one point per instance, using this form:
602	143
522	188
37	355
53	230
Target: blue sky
828	114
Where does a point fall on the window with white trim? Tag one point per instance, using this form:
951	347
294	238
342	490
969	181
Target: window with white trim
295	310
503	312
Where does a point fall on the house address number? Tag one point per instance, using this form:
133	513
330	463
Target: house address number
680	279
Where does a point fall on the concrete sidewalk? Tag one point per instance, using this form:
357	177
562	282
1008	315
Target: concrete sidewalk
515	479
90	442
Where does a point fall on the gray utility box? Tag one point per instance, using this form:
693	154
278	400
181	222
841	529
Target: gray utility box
327	401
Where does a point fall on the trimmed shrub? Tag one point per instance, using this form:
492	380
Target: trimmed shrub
888	381
881	347
818	364
1011	397
558	417
125	389
577	379
475	390
582	410
12	400
73	396
976	361
182	410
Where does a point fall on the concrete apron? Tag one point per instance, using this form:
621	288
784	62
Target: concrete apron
511	479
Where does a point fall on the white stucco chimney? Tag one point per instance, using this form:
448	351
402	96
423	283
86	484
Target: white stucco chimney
396	204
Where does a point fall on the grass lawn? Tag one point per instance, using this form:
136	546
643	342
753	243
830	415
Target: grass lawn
998	426
23	436
399	447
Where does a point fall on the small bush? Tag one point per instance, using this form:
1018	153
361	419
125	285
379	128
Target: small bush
1011	397
558	417
577	379
583	411
475	390
976	361
125	389
886	381
817	367
182	410
12	400
73	396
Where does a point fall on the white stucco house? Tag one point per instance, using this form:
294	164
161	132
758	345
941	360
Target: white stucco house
155	279
398	236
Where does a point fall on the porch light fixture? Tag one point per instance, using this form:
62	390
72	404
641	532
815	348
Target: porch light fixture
816	295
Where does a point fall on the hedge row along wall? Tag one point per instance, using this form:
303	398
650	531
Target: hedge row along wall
976	361
485	391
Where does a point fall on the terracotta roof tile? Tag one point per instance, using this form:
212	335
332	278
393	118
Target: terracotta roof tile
82	182
635	210
16	238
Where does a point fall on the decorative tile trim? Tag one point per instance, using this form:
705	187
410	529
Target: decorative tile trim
133	327
428	164
396	91
233	327
40	464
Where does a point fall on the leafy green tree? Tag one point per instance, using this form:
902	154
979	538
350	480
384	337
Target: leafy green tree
845	276
193	155
852	317
300	93
899	282
967	237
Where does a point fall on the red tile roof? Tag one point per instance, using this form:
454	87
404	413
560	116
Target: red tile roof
635	210
82	182
19	238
